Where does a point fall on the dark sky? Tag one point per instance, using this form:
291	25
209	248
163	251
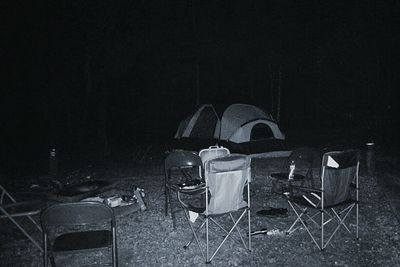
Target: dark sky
80	72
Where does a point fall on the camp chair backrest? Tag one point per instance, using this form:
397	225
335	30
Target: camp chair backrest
339	170
213	153
77	213
226	178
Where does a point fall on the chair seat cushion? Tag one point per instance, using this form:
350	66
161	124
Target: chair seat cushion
83	240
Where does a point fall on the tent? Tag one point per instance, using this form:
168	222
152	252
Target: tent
242	128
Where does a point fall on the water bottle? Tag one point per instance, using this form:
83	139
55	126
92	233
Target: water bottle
291	170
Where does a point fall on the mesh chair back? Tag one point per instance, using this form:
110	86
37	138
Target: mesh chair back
226	178
339	170
77	213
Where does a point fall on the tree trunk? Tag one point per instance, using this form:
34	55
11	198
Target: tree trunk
278	97
271	88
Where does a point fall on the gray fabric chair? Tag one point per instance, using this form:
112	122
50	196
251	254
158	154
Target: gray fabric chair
225	180
77	226
333	202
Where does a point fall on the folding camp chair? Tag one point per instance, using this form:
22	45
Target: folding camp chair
302	158
12	209
333	202
182	162
78	226
225	180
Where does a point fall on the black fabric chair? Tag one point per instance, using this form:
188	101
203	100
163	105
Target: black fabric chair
12	209
333	201
180	167
69	227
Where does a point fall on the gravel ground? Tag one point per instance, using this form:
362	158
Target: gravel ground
148	239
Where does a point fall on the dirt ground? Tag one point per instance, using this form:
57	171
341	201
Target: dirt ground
147	238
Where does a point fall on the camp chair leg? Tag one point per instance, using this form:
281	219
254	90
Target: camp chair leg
114	248
249	225
311	218
45	259
224	230
341	222
303	211
219	225
357	220
322	230
226	237
238	230
193	236
289	231
304	224
207	247
46	254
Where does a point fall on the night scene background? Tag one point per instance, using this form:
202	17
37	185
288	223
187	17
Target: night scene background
98	77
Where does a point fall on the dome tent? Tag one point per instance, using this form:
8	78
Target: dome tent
242	128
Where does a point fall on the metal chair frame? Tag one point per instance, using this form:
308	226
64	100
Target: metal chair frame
78	214
22	209
338	212
207	218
